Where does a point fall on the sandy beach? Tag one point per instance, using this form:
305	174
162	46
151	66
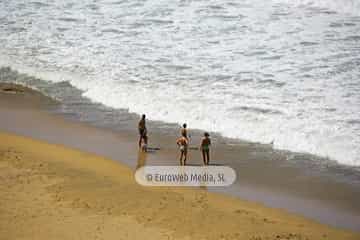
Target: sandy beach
51	191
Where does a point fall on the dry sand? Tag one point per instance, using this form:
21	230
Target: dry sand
52	192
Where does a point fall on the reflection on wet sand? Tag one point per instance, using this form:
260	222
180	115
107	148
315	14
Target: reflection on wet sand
141	161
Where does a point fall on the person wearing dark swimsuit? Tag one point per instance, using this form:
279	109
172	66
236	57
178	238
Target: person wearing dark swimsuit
205	148
142	130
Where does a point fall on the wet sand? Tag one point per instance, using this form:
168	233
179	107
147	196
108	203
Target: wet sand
260	180
53	192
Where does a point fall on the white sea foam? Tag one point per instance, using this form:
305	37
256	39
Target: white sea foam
277	70
340	6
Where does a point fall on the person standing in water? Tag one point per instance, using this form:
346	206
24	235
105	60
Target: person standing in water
142	130
183	142
205	148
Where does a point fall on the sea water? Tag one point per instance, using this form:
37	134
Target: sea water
281	71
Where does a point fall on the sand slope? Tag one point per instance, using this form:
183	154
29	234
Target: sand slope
51	192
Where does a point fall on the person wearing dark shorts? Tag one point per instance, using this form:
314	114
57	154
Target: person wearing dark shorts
142	130
205	148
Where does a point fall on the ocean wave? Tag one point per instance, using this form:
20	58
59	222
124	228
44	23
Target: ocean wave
243	74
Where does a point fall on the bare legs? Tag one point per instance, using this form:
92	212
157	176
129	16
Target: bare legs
140	138
183	154
143	141
206	156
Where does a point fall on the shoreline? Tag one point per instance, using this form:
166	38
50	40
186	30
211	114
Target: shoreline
118	119
314	197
